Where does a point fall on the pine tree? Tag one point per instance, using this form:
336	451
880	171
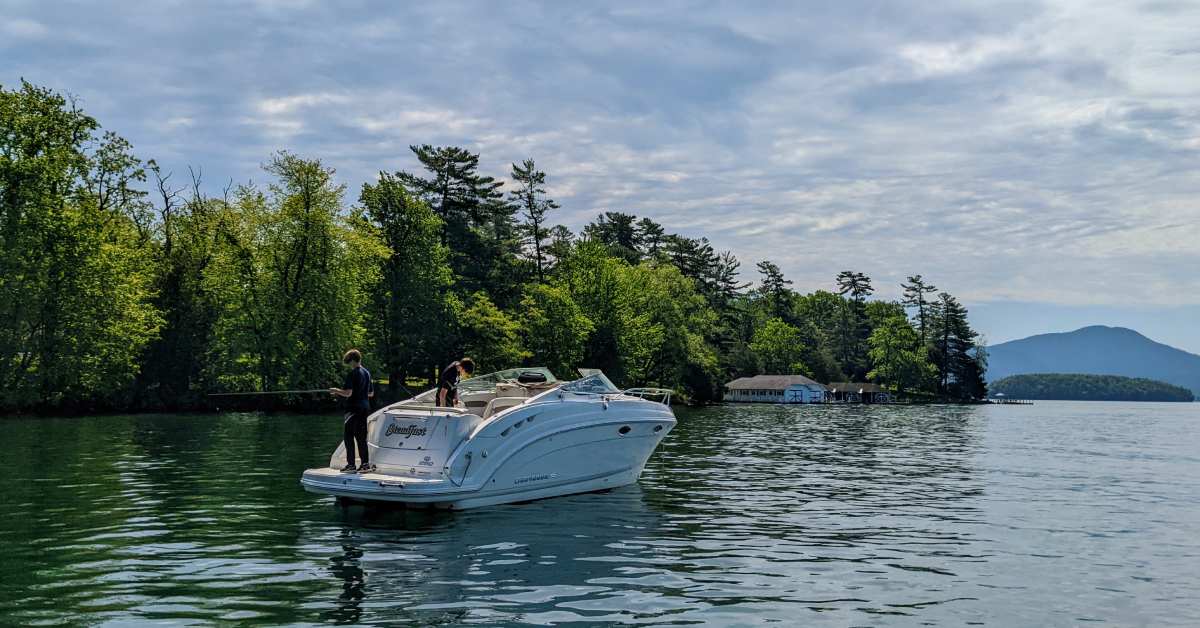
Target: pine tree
774	290
853	330
616	231
649	237
478	227
530	197
959	366
914	296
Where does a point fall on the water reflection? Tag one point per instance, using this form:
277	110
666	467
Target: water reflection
485	566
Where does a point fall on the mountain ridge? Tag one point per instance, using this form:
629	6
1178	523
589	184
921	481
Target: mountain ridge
1095	350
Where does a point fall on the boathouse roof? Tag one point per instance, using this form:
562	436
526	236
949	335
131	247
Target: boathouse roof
771	382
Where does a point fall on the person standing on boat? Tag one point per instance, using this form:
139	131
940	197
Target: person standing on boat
358	391
447	392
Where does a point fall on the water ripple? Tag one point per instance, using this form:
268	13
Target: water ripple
1054	514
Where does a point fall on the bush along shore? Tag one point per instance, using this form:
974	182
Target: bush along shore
124	286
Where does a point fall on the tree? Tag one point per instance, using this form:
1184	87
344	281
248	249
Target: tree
478	228
774	290
593	280
76	281
854	288
409	308
899	362
780	347
531	198
649	237
617	232
726	288
646	320
663	331
561	242
554	328
490	336
914	296
185	234
292	277
959	368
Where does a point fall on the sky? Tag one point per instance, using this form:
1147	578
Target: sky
1040	161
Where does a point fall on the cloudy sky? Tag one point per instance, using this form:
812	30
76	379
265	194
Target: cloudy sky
1039	160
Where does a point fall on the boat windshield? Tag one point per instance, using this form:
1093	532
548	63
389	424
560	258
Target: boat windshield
596	383
489	381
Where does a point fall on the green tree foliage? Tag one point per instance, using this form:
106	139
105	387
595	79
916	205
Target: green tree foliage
116	297
774	290
650	237
293	278
408	323
618	232
898	358
915	292
185	233
668	318
478	228
853	328
646	320
780	346
530	196
489	335
1073	386
76	280
554	328
959	371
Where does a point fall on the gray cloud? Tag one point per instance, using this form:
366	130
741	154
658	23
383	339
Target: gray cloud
1034	152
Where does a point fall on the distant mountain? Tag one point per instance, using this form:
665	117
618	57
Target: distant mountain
1095	350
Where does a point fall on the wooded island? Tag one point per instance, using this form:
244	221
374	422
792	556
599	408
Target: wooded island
1081	387
123	286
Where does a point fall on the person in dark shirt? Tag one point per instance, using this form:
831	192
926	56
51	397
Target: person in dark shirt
447	392
358	391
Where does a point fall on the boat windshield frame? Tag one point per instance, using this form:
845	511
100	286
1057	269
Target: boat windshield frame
595	383
489	380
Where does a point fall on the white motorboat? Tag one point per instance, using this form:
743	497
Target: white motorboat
515	436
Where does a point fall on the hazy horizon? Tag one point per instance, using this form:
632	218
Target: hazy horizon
1035	159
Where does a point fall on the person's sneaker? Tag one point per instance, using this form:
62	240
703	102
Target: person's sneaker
366	468
348	469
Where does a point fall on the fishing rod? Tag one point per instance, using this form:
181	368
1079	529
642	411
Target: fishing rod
270	392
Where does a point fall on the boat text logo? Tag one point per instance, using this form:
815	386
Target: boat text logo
406	431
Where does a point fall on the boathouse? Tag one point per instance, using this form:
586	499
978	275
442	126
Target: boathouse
775	389
858	392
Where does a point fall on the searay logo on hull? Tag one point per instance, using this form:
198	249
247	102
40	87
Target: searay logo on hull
406	431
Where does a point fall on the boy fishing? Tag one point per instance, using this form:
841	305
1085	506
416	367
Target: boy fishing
358	391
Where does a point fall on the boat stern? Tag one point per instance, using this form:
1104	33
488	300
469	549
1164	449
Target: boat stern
378	486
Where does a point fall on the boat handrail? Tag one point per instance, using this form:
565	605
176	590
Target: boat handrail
427	407
642	393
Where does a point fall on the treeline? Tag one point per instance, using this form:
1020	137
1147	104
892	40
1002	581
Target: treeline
124	286
1082	387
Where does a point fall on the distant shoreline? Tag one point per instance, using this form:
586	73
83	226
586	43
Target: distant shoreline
1088	387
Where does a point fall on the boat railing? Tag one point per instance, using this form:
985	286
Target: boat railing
662	395
426	407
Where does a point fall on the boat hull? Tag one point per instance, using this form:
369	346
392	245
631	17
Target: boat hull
541	451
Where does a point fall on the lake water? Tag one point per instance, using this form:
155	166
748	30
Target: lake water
1051	514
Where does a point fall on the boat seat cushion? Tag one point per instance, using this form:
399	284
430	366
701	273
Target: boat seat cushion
499	404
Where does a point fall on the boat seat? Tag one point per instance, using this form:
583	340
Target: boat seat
500	404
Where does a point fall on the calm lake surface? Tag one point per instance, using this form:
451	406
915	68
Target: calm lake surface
1059	513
